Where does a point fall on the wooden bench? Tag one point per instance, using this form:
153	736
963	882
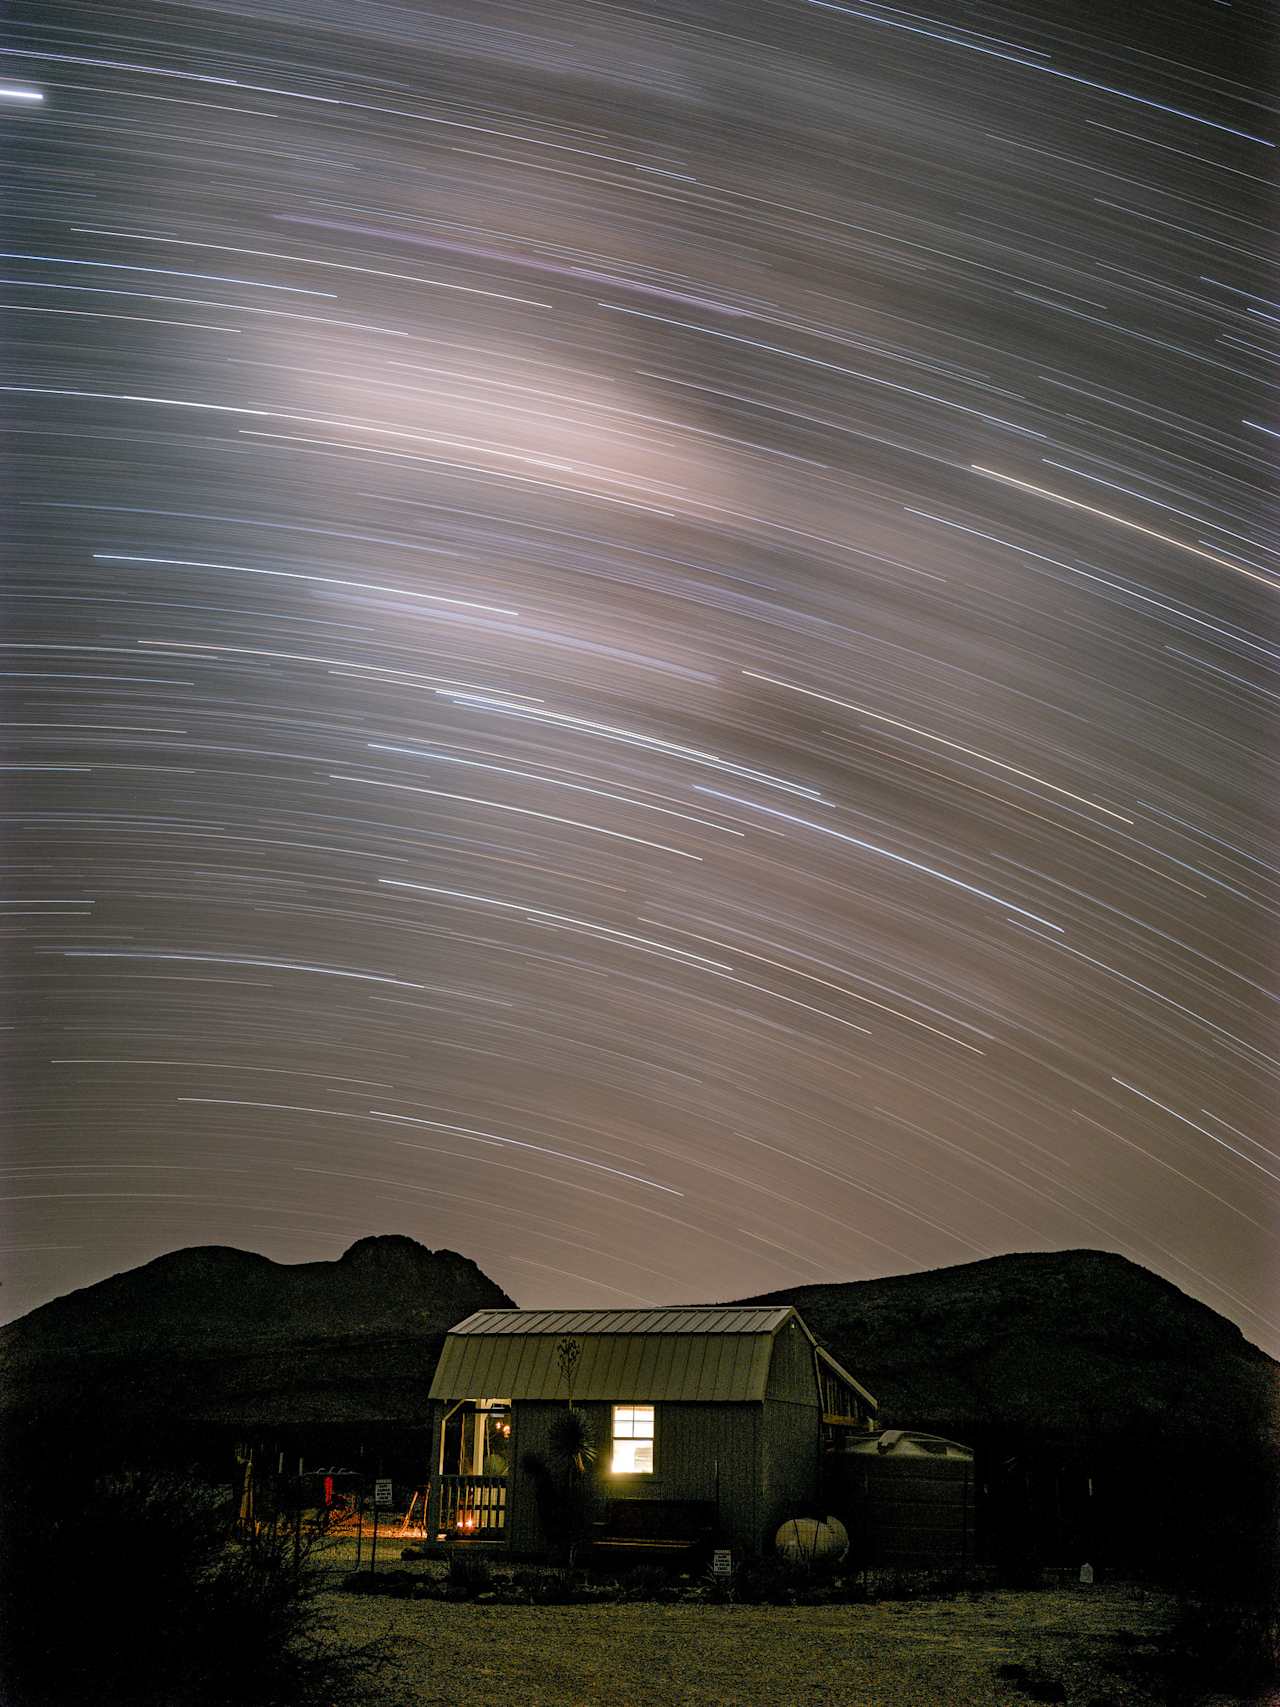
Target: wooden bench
649	1527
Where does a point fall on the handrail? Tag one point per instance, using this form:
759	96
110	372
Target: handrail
472	1505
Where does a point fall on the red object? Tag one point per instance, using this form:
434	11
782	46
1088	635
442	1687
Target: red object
328	1490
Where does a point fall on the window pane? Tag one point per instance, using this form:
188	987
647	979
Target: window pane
632	1440
633	1422
632	1457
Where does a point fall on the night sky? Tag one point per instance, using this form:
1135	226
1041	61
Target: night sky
639	639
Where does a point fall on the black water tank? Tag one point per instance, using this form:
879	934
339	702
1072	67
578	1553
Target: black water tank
906	1499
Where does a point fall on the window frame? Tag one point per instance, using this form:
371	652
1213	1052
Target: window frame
633	1405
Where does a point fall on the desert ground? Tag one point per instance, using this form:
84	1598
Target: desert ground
1075	1645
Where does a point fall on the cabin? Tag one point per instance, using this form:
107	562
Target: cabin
706	1423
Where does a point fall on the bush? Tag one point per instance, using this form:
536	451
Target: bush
1021	1569
560	1484
771	1581
1225	1642
133	1596
642	1582
563	1587
921	1584
470	1572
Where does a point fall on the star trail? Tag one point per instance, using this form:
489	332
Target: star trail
639	640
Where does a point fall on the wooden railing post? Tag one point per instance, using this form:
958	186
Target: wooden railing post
481	1498
431	1524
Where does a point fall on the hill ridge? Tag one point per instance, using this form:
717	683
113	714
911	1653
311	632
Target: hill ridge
1041	1340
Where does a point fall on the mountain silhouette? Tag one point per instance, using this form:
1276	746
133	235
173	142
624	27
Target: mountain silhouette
223	1337
1059	1340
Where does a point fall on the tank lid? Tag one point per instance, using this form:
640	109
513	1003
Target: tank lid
909	1443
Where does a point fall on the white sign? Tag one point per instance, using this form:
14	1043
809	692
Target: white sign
382	1491
722	1562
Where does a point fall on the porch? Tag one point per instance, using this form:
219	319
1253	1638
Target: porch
467	1508
467	1496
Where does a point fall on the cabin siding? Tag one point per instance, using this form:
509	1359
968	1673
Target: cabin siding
792	1372
789	1463
790	1431
696	1446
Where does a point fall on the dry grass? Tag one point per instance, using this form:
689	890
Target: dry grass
894	1654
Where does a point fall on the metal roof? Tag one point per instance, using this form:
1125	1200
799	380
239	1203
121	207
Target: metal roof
642	1355
691	1319
695	1352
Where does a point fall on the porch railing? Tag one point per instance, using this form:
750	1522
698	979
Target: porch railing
472	1505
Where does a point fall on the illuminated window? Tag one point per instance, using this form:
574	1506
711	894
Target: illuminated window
632	1439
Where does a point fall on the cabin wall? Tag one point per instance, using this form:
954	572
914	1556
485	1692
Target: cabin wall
530	1422
696	1447
790	1431
793	1373
789	1463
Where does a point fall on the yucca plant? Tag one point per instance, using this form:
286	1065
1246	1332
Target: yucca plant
571	1443
559	1481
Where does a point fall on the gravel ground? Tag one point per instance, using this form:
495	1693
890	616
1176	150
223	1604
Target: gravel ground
894	1654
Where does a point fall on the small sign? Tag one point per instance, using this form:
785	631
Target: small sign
382	1491
722	1562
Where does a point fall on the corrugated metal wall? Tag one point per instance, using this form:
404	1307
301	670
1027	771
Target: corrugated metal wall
789	1479
790	1432
792	1372
691	1441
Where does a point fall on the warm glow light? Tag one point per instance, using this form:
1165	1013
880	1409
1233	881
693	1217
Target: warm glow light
632	1440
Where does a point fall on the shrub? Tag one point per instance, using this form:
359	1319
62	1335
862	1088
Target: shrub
470	1571
1226	1642
642	1582
562	1587
770	1581
560	1483
138	1599
920	1584
721	1590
